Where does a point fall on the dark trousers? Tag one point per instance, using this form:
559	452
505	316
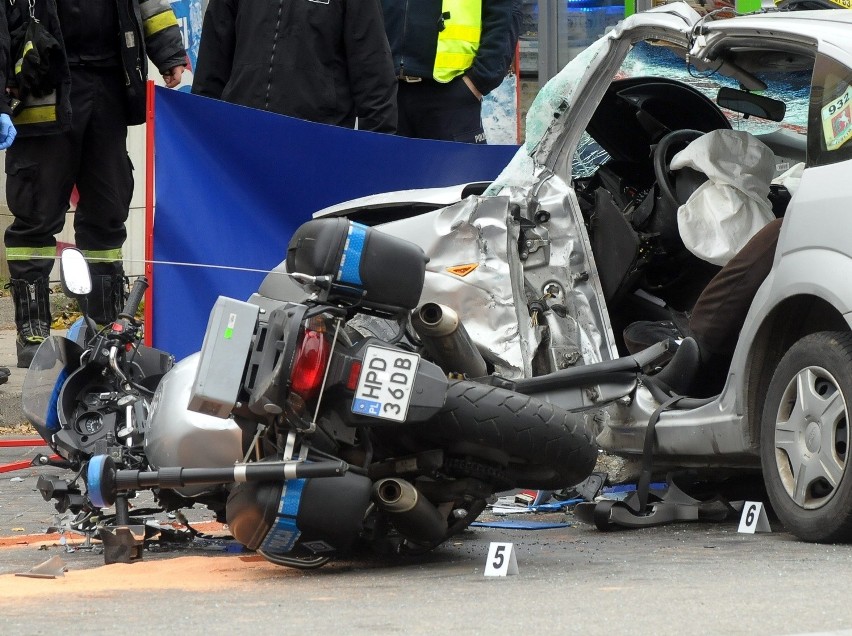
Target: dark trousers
431	110
41	172
721	309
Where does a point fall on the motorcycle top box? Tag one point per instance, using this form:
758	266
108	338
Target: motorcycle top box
382	271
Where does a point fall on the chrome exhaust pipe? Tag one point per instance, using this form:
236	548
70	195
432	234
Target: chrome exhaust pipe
411	513
447	341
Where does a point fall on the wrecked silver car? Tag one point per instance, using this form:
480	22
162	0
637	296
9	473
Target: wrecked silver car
649	161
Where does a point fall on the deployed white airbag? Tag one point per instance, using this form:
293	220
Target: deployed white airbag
727	210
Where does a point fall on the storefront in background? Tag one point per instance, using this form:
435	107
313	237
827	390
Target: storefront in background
555	31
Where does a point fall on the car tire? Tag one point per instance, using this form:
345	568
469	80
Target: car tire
543	446
805	436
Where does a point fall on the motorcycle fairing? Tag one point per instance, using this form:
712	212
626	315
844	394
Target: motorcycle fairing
174	434
56	358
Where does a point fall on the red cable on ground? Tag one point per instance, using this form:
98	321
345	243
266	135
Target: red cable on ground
149	215
8	468
31	441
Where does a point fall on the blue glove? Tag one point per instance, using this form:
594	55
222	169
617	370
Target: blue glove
7	131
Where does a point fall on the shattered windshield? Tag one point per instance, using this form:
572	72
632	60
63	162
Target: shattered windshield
552	100
651	61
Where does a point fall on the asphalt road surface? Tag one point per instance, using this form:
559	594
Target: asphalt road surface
687	578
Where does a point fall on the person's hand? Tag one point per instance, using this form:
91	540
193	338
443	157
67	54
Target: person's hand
472	88
173	75
7	131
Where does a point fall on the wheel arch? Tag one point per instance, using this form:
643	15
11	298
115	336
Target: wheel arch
777	333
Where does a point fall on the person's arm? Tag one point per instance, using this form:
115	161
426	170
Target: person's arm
163	40
489	66
371	77
216	50
5	54
7	128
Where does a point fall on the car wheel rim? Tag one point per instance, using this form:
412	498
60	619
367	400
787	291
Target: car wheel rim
811	437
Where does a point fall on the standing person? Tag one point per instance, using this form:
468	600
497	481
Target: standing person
80	72
7	136
326	61
447	56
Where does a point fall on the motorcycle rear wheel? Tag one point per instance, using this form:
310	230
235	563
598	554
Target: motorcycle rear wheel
546	447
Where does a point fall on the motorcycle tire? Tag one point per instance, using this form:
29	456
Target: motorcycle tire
537	445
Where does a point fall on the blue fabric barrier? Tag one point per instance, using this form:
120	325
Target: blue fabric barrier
233	183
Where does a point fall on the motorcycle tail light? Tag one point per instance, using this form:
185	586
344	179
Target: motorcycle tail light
310	361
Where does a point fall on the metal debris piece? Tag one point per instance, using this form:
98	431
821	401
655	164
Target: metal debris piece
50	569
122	544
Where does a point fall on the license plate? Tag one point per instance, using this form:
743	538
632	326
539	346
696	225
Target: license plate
384	386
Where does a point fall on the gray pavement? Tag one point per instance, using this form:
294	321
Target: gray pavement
10	392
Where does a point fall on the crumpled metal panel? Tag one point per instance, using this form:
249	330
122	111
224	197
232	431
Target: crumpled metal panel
553	264
474	233
493	298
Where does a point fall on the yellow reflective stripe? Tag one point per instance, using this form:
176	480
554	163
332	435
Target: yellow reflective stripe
157	23
460	32
456	61
29	253
103	255
36	115
28	46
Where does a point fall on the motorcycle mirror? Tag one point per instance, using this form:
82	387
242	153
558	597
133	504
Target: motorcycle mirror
74	273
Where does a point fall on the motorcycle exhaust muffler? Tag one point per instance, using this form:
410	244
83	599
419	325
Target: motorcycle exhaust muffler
414	516
446	339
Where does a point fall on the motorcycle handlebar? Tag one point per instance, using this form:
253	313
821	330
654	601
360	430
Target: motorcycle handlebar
131	305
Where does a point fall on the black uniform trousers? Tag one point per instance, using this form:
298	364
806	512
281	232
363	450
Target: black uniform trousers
432	110
41	172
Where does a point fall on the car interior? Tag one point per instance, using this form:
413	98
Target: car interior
630	197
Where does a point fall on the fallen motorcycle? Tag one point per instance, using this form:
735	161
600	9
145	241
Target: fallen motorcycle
350	418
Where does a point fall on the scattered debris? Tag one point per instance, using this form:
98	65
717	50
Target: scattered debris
50	569
521	524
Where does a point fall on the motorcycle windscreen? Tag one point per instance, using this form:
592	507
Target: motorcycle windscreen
54	361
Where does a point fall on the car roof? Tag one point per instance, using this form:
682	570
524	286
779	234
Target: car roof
820	24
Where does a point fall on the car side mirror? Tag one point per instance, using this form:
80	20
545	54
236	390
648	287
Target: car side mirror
74	273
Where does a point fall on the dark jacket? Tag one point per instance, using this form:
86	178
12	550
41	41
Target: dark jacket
412	28
326	61
147	28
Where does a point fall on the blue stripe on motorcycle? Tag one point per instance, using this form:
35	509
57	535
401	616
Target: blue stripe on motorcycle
93	481
350	263
51	417
284	533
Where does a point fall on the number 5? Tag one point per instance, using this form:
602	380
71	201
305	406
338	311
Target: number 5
498	557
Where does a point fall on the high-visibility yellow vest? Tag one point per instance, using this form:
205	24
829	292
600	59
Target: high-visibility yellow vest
459	40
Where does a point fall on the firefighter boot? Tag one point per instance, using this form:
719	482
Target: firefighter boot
32	316
106	299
